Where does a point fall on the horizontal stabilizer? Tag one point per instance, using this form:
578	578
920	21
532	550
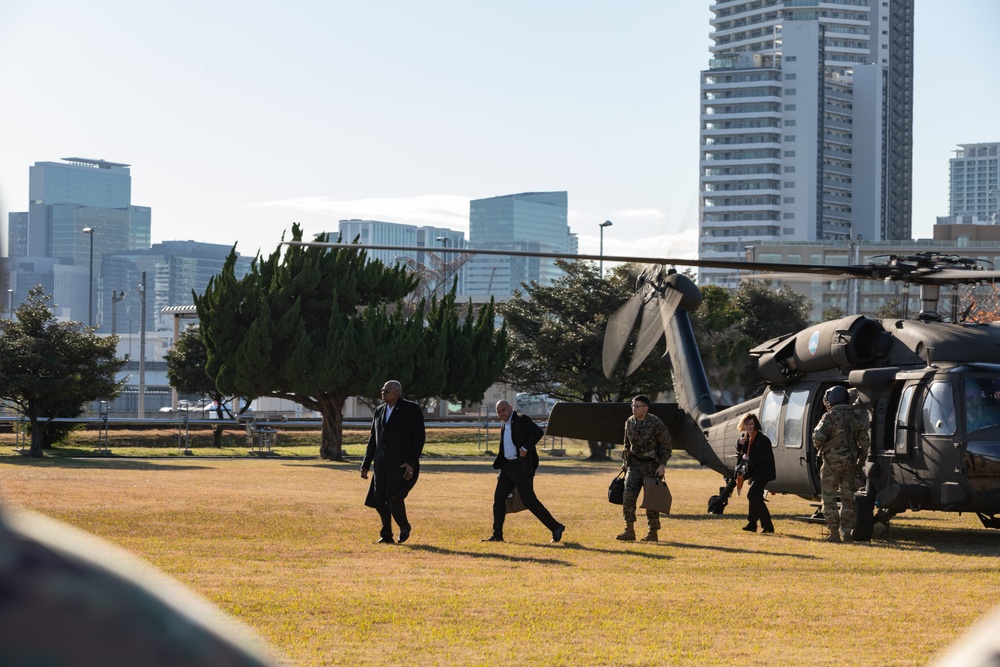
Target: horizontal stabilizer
603	422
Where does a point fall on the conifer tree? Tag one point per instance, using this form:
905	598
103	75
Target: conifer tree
317	325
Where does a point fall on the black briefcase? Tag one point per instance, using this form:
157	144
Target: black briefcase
616	490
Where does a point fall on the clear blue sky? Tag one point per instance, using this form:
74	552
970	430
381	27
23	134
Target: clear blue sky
239	118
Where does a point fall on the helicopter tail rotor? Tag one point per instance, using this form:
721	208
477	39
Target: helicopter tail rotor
659	293
655	315
655	303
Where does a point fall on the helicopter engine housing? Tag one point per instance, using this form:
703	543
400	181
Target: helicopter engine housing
851	342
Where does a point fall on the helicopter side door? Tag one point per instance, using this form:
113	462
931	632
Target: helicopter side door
923	443
785	420
930	442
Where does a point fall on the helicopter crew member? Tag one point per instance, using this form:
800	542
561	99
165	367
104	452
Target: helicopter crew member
645	454
842	440
754	449
866	420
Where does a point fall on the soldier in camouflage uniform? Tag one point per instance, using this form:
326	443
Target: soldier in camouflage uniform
842	440
647	449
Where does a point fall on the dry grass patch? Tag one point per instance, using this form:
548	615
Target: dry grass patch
287	547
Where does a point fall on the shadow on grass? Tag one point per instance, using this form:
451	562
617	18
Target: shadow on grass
477	465
482	554
425	466
576	546
975	542
100	463
734	550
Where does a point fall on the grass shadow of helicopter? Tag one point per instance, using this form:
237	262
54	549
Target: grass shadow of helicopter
958	542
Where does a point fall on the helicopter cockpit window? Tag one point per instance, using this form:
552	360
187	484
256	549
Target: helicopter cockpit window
770	413
903	420
938	411
794	416
982	403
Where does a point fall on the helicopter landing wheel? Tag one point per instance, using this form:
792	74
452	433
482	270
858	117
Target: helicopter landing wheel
990	521
717	504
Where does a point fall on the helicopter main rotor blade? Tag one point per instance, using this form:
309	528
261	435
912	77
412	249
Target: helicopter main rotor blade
797	278
631	259
921	268
955	276
620	325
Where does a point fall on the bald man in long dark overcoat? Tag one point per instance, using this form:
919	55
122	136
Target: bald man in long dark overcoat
394	448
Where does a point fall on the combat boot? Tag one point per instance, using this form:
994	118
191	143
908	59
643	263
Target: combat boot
846	535
651	536
832	534
629	534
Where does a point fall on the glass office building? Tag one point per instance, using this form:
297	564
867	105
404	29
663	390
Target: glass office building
64	198
531	221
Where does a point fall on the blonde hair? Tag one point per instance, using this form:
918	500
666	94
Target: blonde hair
746	418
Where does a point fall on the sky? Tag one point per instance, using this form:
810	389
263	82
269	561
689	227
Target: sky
240	118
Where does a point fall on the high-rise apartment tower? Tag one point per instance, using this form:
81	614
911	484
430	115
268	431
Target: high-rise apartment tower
806	116
975	184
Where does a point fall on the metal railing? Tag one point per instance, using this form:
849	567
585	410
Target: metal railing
261	433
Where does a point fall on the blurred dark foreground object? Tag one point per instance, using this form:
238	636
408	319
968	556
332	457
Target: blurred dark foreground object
68	599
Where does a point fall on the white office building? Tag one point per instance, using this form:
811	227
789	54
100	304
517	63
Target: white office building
438	269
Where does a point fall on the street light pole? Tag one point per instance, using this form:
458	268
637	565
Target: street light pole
606	223
90	294
142	348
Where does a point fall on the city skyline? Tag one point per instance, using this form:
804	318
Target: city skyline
237	123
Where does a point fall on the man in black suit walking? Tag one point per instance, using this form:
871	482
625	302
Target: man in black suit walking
394	448
517	461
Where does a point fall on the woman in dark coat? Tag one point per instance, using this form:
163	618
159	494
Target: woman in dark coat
754	449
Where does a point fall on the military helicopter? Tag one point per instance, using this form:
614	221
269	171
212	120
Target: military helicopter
931	387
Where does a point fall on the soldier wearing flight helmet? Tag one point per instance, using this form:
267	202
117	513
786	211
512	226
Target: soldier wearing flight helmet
840	438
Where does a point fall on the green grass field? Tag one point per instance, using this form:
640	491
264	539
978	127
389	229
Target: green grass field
286	546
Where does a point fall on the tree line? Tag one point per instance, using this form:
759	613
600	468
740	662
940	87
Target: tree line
317	325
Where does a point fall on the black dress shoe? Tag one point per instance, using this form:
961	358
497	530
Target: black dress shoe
384	540
750	528
767	530
404	534
492	538
558	532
